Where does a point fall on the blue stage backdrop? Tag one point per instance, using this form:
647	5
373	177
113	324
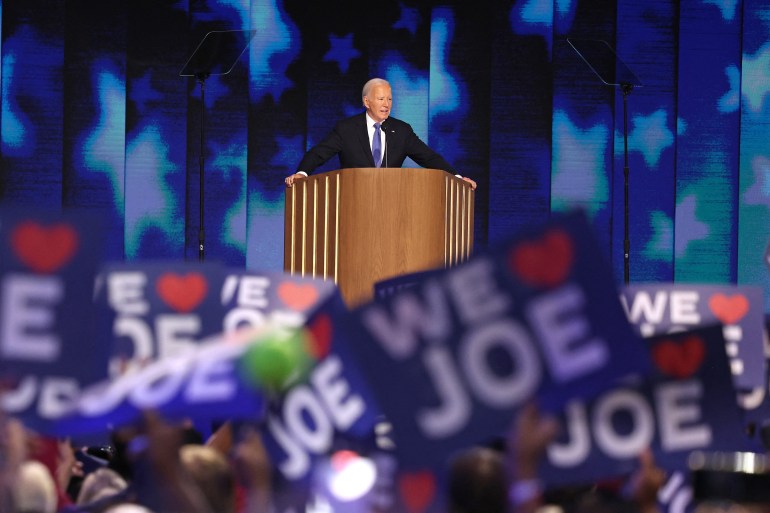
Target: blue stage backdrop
95	117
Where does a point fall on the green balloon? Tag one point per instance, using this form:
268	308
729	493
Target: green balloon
276	360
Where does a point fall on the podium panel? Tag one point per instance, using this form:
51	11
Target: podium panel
360	226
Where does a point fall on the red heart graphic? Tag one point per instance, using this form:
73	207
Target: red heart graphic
182	293
321	341
729	310
417	490
680	360
297	297
44	250
544	263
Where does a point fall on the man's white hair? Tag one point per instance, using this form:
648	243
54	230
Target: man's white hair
371	84
35	490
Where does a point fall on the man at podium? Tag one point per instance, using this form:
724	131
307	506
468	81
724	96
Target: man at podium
372	139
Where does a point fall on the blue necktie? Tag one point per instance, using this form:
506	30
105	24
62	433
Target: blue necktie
377	146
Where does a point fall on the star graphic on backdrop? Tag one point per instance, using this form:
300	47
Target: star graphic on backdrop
756	77
289	152
727	7
147	156
341	52
445	86
143	93
649	136
731	100
681	126
578	178
759	192
688	227
229	161
229	158
108	128
272	51
537	18
409	20
662	241
17	129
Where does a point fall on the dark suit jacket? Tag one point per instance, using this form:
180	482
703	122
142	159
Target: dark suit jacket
350	140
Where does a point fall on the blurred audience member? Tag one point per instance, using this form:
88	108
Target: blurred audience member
100	484
34	490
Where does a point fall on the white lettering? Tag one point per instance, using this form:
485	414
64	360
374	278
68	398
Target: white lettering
297	462
26	314
212	378
475	291
177	333
455	407
678	405
560	323
576	450
411	318
644	308
684	307
317	437
125	293
57	397
628	445
344	408
501	391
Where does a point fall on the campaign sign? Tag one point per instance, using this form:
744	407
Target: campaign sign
686	404
253	300
157	310
151	311
451	360
204	383
663	308
48	350
333	402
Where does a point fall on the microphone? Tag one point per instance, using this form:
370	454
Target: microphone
385	138
385	128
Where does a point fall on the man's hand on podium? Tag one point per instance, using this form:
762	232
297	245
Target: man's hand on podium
473	184
292	178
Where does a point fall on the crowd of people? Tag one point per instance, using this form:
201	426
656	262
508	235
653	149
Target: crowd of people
163	467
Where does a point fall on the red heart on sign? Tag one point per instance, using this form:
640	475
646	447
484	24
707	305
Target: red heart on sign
417	490
731	309
321	331
680	360
44	250
543	263
297	297
182	293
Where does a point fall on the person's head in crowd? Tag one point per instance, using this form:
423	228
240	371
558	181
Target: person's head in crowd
99	484
478	482
127	508
35	490
213	475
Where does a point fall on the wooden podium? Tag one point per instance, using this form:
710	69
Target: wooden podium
363	225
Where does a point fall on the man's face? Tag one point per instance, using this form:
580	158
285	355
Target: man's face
378	103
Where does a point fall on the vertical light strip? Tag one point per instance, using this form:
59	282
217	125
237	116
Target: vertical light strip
326	227
469	217
457	224
337	232
315	225
446	221
304	225
463	206
293	225
451	221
